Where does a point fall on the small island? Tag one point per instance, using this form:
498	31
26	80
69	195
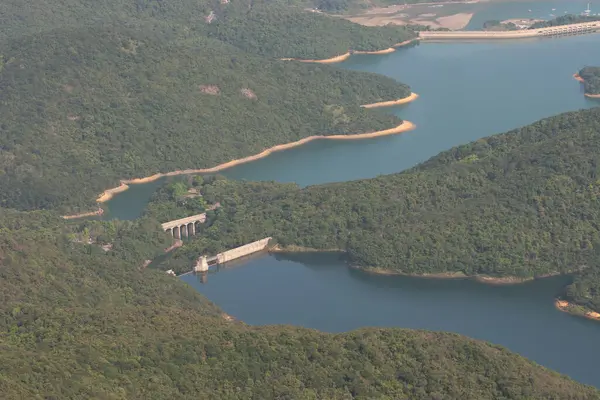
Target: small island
590	77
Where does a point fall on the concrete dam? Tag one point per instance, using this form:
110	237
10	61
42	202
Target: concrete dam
572	29
203	261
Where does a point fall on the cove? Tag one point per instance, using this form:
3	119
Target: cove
467	91
319	291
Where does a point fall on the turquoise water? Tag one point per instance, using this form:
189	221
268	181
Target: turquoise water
468	91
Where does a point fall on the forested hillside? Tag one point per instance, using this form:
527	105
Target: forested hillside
82	109
520	204
591	76
276	28
80	322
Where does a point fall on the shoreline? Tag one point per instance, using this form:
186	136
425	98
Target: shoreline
484	279
412	97
346	55
588	95
108	194
573	309
98	212
300	249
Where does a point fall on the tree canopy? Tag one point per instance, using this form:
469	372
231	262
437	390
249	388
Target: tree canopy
79	321
522	204
112	104
591	76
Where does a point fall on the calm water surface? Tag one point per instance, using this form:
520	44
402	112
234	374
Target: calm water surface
318	291
468	91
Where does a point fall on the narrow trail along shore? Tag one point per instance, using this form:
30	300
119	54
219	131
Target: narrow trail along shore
345	56
108	194
589	95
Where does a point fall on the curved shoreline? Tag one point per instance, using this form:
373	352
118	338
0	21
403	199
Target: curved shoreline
345	56
98	212
588	95
485	279
412	97
108	194
570	308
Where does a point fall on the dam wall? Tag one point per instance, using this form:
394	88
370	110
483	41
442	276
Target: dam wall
242	251
572	29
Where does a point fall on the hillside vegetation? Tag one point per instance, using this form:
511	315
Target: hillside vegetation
283	31
82	109
520	204
275	28
80	322
591	75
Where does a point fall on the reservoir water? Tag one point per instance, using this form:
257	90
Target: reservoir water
319	291
468	91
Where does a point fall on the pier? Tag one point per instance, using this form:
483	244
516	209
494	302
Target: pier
563	30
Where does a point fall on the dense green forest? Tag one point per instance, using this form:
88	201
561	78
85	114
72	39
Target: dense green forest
565	20
520	204
495	25
81	322
275	28
81	109
283	31
591	75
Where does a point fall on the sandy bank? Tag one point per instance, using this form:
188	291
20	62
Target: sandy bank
455	21
389	272
108	194
579	78
98	212
412	97
345	56
301	249
573	309
488	280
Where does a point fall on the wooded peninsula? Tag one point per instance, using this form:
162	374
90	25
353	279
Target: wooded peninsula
95	92
511	207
